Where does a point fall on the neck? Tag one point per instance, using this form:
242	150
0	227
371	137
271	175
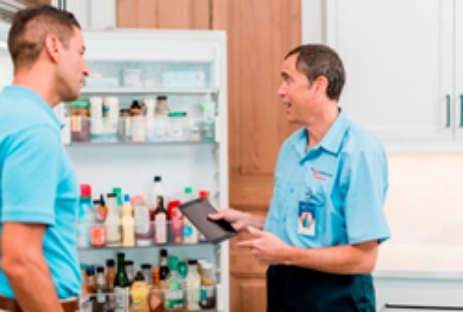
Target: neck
35	80
320	123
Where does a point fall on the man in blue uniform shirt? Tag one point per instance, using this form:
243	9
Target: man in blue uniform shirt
39	191
325	222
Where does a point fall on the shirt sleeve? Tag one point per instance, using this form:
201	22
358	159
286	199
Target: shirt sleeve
30	176
366	188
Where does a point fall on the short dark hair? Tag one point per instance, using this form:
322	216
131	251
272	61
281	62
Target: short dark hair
30	28
315	60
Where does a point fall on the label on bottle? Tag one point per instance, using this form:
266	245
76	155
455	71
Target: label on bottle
98	236
142	220
121	299
76	124
160	221
174	299
100	297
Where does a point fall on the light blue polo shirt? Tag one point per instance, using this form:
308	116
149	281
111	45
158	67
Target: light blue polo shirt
345	180
38	184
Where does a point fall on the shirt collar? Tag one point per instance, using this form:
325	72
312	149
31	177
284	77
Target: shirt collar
330	142
21	91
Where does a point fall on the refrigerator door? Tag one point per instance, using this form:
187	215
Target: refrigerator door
6	66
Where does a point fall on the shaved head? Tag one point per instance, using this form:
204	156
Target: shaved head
29	29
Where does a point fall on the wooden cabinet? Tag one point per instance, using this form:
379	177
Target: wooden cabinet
404	69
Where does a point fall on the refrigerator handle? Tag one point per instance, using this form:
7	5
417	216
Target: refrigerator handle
447	101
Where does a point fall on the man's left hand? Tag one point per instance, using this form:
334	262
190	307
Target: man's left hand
266	247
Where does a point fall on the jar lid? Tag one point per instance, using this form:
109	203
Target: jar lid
79	104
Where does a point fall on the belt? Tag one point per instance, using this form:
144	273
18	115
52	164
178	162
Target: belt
11	305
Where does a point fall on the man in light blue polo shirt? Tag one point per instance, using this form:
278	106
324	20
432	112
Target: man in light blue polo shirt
38	187
326	220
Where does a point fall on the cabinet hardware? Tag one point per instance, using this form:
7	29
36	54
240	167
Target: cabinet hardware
461	110
447	99
420	307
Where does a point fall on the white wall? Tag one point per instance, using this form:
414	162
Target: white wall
424	209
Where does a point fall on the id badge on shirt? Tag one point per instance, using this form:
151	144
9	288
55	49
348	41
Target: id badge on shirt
306	218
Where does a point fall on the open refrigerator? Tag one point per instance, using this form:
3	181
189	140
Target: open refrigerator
189	69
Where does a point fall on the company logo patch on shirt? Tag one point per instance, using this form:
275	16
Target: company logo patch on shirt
320	175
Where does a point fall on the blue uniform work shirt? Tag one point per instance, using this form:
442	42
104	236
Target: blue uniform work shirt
342	183
38	184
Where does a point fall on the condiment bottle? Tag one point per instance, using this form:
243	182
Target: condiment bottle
139	293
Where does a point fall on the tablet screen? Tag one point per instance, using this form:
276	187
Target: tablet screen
197	211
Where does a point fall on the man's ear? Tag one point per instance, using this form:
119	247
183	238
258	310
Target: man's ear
53	47
321	84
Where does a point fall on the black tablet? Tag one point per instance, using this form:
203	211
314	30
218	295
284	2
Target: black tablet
215	231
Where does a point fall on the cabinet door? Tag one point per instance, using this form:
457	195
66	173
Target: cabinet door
459	68
398	59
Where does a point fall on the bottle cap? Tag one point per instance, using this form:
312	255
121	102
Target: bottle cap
110	263
192	262
146	266
188	190
99	269
203	194
90	269
161	97
163	253
126	198
111	195
85	190
157	179
173	263
128	262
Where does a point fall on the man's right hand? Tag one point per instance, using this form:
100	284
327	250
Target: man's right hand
238	219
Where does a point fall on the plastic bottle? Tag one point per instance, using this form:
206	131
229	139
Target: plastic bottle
98	230
146	270
189	232
143	226
175	218
157	292
207	287
193	286
112	223
204	194
137	122
128	223
174	297
86	216
139	293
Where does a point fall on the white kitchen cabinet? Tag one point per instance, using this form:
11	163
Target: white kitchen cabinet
404	67
163	61
424	291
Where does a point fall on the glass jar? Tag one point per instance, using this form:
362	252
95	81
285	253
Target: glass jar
124	130
177	125
80	126
161	106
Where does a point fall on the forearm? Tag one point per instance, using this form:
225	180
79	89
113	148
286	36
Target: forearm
347	259
33	286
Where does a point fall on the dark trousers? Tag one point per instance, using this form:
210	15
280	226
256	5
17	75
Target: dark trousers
294	289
